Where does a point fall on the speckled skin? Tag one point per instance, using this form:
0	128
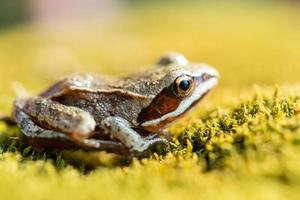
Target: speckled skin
79	108
103	99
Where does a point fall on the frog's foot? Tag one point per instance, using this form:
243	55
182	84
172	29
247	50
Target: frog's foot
109	146
148	143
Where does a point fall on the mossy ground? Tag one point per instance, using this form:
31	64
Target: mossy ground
242	142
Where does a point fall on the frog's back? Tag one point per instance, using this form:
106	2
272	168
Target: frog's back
100	96
107	96
78	81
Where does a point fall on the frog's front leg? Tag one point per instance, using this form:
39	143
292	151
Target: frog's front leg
43	119
121	129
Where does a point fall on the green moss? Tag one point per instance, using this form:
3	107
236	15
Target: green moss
235	150
240	143
253	129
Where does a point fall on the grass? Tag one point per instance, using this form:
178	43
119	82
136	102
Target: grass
242	142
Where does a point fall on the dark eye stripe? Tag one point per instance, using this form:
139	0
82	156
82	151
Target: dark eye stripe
165	102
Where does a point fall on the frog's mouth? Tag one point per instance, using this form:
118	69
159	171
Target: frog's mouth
182	106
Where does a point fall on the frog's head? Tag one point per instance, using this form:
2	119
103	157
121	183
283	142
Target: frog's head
183	84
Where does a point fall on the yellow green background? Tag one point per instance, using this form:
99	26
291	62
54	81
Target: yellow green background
254	45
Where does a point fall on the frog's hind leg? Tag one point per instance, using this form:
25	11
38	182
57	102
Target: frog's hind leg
41	138
48	114
45	138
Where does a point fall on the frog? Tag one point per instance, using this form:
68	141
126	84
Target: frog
122	115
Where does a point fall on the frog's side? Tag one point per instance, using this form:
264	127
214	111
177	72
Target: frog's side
80	111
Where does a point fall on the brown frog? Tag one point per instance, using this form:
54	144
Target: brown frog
120	115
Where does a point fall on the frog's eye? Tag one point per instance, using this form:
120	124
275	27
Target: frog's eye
183	86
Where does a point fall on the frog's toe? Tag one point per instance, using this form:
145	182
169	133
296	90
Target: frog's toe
160	142
149	143
155	141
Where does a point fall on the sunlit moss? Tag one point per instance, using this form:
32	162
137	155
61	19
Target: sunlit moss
234	150
240	143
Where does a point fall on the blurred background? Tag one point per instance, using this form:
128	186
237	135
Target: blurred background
248	41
